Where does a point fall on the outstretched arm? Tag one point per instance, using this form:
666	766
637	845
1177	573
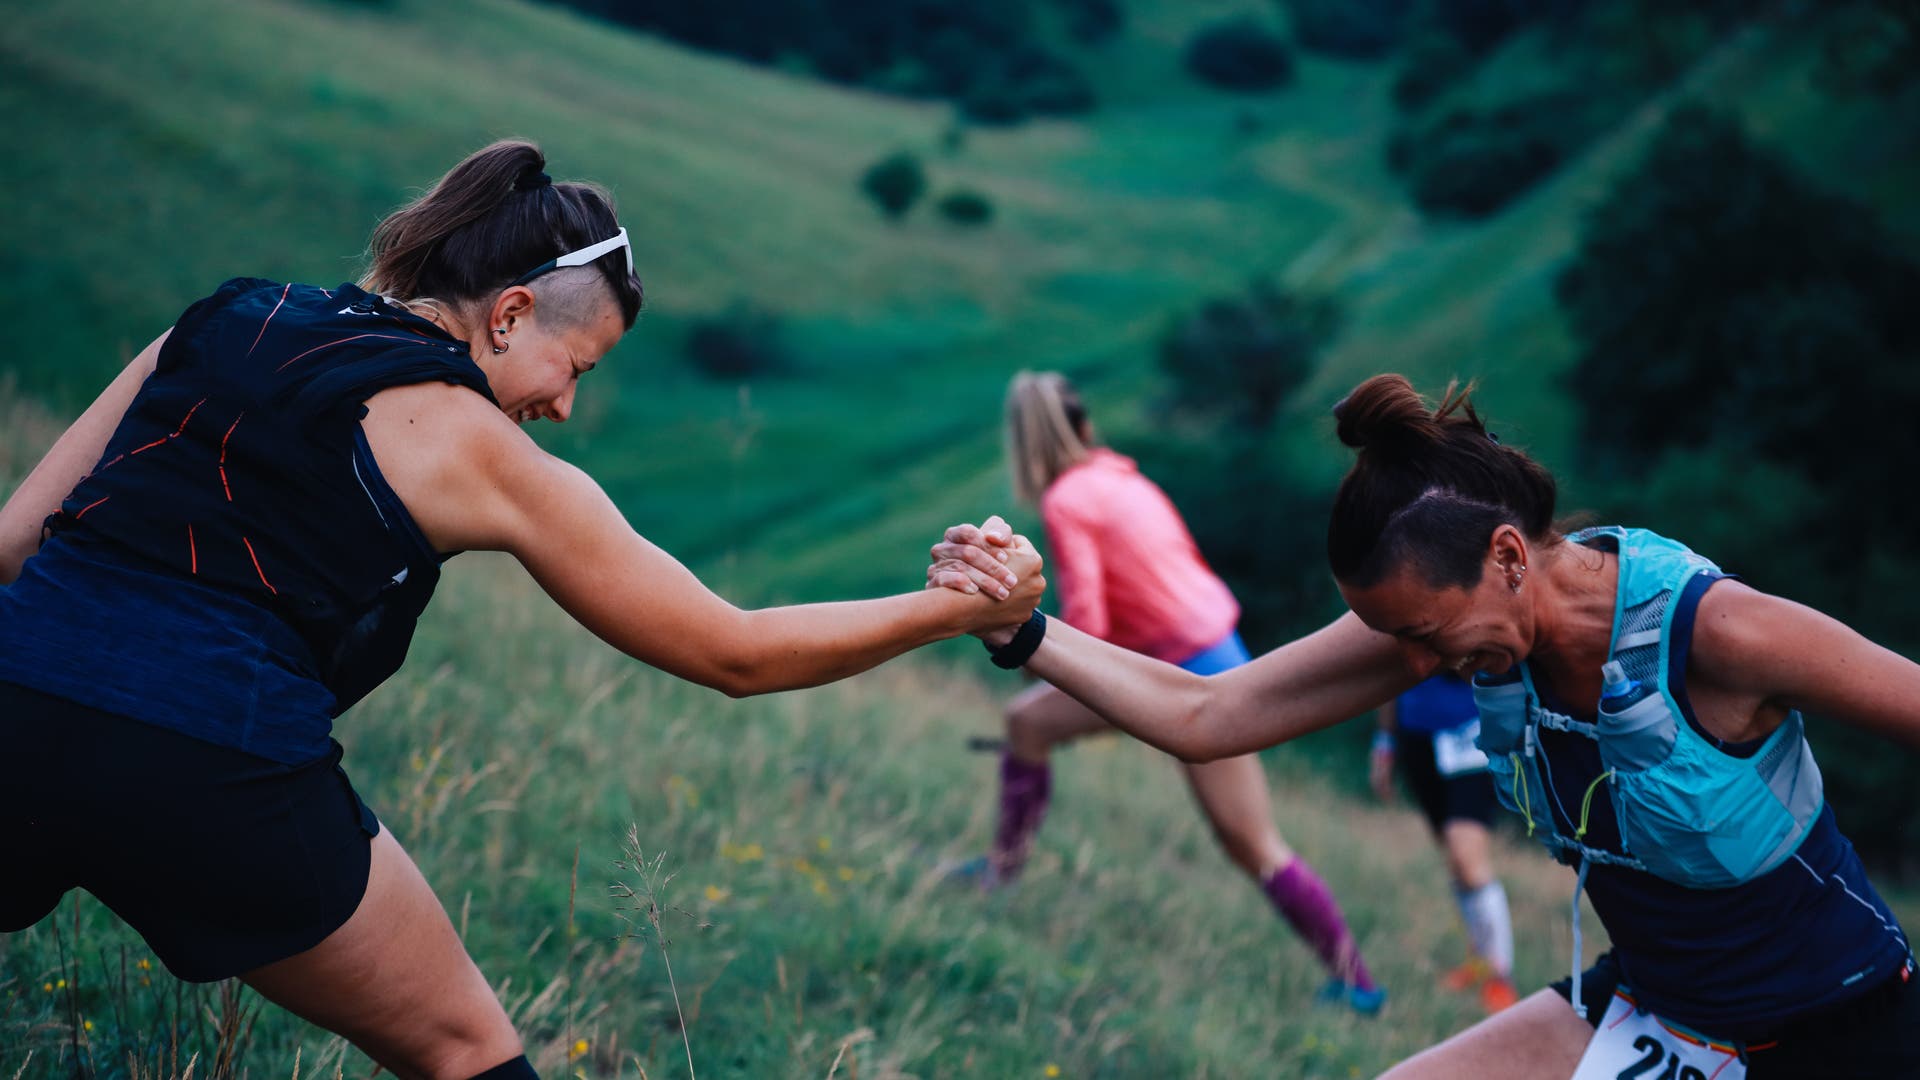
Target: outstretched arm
472	480
1337	672
73	455
1332	674
1774	655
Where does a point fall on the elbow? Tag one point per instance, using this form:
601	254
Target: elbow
736	680
1194	740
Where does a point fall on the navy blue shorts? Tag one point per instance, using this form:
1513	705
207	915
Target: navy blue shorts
1875	1036
221	860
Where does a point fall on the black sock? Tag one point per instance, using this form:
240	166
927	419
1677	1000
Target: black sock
517	1069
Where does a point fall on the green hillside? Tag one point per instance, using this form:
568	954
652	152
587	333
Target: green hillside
162	148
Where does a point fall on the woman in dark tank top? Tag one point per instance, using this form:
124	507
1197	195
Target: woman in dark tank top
238	536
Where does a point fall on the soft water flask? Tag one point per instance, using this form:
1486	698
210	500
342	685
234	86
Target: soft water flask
1636	726
1502	702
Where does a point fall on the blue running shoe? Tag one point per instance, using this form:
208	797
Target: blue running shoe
1364	1002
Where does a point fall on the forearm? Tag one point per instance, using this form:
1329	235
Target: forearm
1155	702
786	648
1338	672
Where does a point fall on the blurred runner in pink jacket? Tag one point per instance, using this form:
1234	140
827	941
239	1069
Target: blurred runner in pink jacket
1128	571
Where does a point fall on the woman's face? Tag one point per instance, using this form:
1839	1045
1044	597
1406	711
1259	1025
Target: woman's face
537	375
1485	627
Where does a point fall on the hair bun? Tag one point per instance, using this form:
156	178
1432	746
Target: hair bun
532	179
1384	413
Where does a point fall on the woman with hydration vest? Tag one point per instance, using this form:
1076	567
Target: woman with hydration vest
1641	712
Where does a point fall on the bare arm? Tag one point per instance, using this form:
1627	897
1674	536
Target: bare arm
472	480
1765	655
1337	672
73	455
1332	674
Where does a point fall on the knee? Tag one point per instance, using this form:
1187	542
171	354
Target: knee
1027	732
467	1052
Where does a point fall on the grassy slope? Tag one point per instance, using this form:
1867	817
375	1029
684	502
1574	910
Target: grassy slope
286	128
805	831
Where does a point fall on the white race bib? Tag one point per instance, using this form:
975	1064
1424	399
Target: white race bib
1634	1045
1455	752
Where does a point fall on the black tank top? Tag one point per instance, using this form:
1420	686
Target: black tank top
241	466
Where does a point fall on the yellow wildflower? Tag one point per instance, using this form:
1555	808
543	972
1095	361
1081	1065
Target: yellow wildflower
144	964
579	1050
1051	1069
846	873
825	843
715	894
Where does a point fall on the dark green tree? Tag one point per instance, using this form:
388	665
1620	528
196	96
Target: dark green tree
1240	357
742	341
1352	29
1749	373
1242	54
894	183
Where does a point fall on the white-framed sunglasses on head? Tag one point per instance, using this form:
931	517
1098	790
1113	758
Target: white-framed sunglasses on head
581	257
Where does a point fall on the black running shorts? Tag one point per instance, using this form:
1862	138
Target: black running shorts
1467	797
221	860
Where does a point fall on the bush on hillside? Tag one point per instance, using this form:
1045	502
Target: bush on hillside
1351	29
1727	309
1008	88
964	207
743	341
1092	21
1240	54
1241	356
1873	47
1433	63
1473	162
894	183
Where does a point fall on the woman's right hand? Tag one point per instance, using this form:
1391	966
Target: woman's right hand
973	558
970	552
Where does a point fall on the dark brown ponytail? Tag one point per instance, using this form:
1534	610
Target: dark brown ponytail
1429	487
490	219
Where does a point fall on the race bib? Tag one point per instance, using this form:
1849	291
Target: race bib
1634	1045
1454	752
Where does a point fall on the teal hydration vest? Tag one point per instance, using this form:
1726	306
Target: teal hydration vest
1688	811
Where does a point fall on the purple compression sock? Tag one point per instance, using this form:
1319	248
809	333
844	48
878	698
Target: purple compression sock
1024	787
1309	907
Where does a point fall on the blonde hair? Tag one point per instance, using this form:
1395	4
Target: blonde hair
1047	431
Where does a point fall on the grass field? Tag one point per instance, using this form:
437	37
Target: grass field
805	910
160	148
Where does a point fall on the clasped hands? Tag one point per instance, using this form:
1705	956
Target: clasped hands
993	560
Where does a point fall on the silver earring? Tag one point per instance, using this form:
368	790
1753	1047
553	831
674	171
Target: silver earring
502	347
1519	575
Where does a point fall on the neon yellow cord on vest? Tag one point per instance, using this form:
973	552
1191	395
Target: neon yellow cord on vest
1586	803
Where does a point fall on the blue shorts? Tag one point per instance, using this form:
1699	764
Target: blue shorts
1223	655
